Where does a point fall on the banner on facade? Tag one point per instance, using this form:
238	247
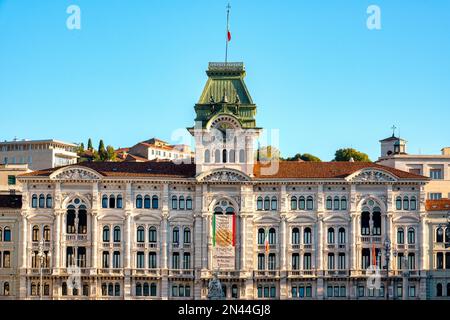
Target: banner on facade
224	241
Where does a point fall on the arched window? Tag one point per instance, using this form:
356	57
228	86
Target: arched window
82	220
232	156
309	203
176	235
439	290
207	156
34	201
274	203
307	236
138	289
413	203
217	156
139	202
41	201
188	203
301	203
376	222
405	203
261	236
448	289
49	201
342	237
104	201
6	289
110	289
155	202
259	203
224	155
147	202
153	289
105	234
344	203
187	235
266	203
7	235
294	203
330	236
174	203
146	290
70	220
411	236
6	259
336	203
152	234
112	201
116	234
272	236
46	233
181	203
400	236
117	290
35	234
365	223
439	235
295	238
329	203
64	289
241	156
140	234
119	202
398	203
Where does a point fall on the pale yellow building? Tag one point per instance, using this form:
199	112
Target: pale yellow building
8	174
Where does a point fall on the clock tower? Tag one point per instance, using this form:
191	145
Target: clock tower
225	129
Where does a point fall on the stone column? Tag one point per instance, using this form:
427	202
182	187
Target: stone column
57	239
127	256
164	257
283	267
94	235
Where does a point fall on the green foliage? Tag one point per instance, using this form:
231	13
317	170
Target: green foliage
304	157
90	147
348	153
102	153
268	153
110	152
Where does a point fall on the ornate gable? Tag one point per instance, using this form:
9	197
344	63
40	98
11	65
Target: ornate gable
75	173
371	175
223	175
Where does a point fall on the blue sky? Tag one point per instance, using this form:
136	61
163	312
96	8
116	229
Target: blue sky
136	69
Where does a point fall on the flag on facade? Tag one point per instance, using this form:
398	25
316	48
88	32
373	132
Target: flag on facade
374	255
266	242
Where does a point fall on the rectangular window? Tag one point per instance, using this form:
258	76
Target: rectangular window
11	180
436	174
360	291
415	171
399	291
412	291
435	196
330	291
140	260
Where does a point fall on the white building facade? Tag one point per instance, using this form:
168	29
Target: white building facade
162	230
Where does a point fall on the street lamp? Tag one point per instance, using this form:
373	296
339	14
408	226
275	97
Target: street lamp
42	257
387	248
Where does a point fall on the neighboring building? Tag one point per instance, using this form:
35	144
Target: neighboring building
153	149
8	177
437	167
38	154
287	230
10	228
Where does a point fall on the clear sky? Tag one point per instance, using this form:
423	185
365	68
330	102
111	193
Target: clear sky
135	69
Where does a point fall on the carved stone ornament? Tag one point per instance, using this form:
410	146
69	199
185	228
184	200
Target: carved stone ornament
76	174
224	176
372	176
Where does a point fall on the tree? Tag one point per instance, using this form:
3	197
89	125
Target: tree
111	153
90	147
268	153
349	153
304	157
102	153
80	148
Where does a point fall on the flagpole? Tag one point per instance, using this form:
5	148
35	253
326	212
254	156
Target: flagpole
226	47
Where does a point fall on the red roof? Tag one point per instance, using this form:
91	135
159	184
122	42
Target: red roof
286	170
326	170
438	205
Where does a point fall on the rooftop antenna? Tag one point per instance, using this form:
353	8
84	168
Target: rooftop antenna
228	33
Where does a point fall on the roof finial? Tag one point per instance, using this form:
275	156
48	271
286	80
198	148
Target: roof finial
393	130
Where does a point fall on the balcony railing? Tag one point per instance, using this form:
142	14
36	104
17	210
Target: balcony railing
110	271
76	237
301	273
181	272
147	272
37	271
335	273
266	273
370	239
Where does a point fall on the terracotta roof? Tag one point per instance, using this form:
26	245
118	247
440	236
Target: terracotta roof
131	158
438	205
11	201
326	170
131	169
286	170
